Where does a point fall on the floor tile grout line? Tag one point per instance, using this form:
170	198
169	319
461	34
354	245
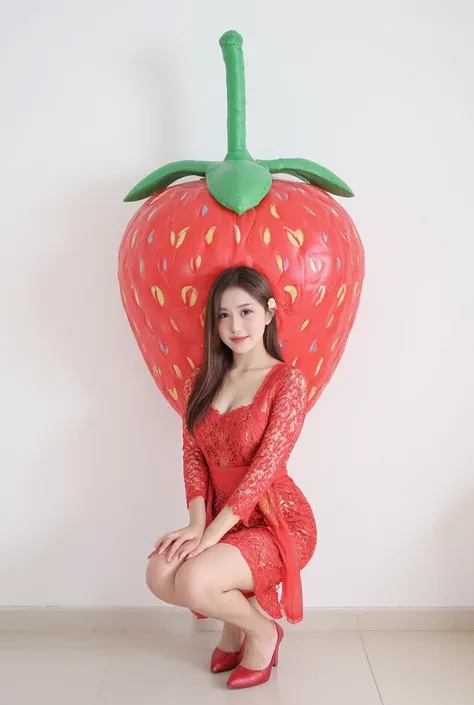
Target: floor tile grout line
370	666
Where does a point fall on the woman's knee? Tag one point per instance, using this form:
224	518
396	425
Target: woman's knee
193	585
159	576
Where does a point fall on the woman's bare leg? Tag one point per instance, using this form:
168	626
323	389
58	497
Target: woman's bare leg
160	578
231	638
211	584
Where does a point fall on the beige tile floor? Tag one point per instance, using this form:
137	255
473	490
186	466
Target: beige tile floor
320	668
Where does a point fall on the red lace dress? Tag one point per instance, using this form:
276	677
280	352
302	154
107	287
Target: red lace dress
238	459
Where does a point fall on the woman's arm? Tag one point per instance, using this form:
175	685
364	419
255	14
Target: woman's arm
195	470
197	512
283	429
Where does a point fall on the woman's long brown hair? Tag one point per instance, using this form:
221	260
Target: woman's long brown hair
217	356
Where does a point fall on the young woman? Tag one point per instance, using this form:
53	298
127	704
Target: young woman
250	529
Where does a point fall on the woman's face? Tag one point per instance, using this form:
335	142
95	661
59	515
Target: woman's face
241	320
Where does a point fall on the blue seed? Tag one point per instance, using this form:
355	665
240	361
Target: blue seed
204	210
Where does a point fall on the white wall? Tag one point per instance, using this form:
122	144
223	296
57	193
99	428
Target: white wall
98	93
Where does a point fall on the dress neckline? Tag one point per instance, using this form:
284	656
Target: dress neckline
256	395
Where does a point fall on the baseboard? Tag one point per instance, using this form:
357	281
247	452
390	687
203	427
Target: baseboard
111	620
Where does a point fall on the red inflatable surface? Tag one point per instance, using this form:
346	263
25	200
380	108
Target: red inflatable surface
299	236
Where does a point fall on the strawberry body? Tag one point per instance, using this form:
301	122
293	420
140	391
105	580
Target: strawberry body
181	238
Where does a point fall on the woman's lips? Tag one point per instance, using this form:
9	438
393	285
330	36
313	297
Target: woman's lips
239	340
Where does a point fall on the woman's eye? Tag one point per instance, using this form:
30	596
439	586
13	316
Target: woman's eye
222	315
247	311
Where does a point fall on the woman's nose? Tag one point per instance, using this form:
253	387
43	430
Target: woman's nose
235	324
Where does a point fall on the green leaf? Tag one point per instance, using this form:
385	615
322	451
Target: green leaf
311	173
238	185
164	176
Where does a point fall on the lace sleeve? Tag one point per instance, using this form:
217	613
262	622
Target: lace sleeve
283	429
195	469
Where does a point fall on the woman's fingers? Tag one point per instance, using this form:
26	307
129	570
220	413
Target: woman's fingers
167	541
197	551
187	548
176	546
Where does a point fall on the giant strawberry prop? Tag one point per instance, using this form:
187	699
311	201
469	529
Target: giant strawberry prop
183	236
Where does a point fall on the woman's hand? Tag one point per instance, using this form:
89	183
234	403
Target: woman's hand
209	539
191	535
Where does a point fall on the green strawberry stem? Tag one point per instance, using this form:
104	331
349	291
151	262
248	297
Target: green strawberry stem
231	45
239	183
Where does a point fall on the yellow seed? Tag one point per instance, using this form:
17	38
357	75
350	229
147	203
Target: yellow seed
334	344
201	319
156	371
279	263
293	292
158	294
124	298
322	294
173	325
330	322
267	238
177	372
198	261
209	236
238	235
172	238
135	295
305	324
312	264
312	393
341	294
181	237
191	363
134	238
173	392
356	289
273	211
296	237
319	366
293	364
194	294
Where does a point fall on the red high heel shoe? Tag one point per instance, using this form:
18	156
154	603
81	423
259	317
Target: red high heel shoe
246	678
224	661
